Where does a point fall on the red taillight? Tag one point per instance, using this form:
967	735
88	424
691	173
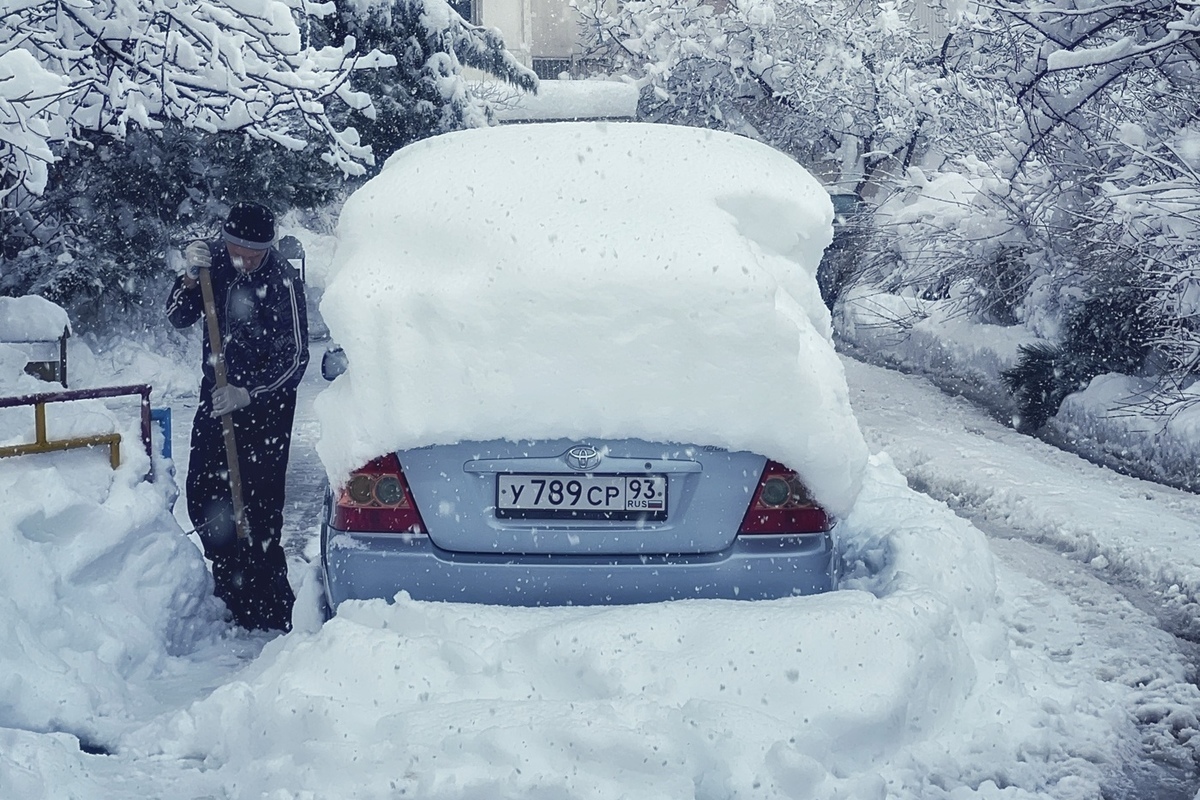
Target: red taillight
377	499
781	504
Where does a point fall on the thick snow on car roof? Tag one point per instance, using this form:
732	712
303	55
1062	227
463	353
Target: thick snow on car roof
585	280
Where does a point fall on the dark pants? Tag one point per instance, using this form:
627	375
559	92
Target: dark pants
249	575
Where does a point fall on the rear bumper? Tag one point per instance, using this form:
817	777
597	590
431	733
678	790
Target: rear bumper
363	566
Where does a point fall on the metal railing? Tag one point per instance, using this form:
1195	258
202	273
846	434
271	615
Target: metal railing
43	444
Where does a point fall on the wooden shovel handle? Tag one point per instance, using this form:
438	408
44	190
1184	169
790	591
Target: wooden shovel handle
214	343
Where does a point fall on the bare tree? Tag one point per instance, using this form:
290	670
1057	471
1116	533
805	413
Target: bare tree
828	81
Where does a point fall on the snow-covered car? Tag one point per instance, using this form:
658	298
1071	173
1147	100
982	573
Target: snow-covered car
584	363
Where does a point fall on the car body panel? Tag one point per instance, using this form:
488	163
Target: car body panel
358	566
466	553
454	486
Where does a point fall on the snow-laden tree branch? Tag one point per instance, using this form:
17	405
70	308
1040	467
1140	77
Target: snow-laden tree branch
28	92
1066	61
825	80
215	65
1087	111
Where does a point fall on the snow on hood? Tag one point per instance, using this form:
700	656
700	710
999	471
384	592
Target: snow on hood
585	280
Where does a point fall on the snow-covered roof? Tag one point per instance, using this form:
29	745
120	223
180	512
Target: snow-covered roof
584	280
569	100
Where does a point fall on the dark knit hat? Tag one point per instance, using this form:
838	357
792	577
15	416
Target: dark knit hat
250	225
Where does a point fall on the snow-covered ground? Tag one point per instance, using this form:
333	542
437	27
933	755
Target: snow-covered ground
937	673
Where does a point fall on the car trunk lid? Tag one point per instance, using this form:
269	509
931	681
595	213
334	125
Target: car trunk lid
588	498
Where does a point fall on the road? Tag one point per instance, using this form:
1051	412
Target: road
1093	555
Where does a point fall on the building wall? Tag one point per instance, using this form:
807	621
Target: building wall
512	18
549	29
555	28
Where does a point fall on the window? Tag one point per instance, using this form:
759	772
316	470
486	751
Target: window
548	69
467	9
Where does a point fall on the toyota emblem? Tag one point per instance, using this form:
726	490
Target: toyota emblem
583	457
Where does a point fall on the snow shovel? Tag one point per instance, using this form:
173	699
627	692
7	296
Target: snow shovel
214	340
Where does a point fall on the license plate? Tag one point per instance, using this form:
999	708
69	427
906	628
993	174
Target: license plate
581	496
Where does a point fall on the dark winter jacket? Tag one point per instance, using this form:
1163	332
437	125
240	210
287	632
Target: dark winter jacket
263	321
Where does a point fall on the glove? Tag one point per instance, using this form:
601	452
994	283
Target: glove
197	257
228	399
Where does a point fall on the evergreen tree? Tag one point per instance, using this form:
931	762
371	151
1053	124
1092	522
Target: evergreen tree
114	208
1110	332
424	93
92	232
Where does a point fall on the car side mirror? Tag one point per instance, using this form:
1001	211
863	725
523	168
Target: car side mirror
334	363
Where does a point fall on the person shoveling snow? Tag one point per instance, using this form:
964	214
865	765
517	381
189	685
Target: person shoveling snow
235	491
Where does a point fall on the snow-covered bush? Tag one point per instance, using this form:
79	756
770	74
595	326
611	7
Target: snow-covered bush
1149	214
1072	123
950	235
1109	332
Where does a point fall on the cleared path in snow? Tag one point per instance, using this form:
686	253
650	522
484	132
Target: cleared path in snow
306	475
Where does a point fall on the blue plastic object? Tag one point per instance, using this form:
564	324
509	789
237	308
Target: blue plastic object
163	417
